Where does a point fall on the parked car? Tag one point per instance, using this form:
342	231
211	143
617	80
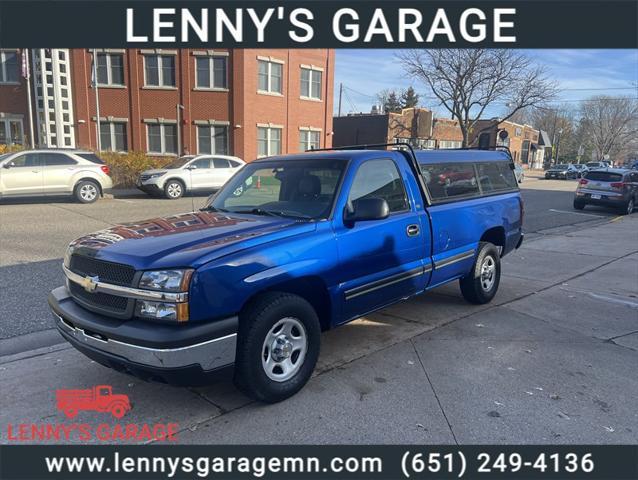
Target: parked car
563	171
616	188
253	278
32	173
519	173
634	165
596	165
189	173
581	169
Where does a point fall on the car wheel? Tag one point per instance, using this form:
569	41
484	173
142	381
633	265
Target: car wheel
481	284
87	191
174	189
277	347
629	207
578	205
118	410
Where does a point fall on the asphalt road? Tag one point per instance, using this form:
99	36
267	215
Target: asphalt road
34	235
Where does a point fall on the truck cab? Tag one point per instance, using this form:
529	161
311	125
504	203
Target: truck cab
289	247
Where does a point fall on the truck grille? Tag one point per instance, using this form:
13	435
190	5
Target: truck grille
102	301
108	272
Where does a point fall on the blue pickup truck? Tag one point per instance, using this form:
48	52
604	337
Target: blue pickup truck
291	246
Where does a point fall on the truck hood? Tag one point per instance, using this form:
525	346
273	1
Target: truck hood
185	240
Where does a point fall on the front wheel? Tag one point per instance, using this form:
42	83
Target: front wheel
277	347
173	189
481	284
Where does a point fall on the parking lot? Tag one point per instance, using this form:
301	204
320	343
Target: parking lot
552	360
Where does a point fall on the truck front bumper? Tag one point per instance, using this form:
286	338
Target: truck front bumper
178	354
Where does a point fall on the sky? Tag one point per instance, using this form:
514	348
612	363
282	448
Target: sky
579	73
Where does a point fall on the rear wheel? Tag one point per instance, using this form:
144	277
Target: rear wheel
86	191
71	412
628	208
481	285
578	205
174	189
278	347
118	410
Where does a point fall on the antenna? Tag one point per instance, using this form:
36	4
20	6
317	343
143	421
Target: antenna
190	173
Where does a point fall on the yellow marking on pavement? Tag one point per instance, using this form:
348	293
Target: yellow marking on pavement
615	219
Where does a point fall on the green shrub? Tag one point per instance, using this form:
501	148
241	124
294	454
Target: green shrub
10	148
125	167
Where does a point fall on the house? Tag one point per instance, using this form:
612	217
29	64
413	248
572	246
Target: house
522	140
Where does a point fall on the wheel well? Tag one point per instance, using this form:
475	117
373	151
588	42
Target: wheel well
495	236
312	289
88	179
176	179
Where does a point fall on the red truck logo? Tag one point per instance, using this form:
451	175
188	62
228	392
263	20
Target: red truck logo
98	399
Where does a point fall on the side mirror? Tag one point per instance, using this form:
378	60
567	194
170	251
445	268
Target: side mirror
8	165
191	167
367	209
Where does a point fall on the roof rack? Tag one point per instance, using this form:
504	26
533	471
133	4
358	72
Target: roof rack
411	157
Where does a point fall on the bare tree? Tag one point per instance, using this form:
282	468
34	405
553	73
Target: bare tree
610	124
466	82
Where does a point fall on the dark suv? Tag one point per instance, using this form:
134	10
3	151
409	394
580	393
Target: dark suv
613	187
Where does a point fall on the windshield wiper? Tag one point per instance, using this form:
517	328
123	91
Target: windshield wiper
273	213
210	208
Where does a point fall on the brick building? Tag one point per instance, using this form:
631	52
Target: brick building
243	102
414	125
522	140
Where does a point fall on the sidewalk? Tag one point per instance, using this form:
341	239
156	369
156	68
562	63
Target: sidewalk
552	360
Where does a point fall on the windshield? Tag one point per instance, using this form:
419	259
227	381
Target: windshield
593	164
290	188
562	166
180	162
5	156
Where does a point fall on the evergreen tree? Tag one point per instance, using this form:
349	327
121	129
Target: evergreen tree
409	98
392	103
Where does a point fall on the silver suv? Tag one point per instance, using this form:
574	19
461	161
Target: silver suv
54	172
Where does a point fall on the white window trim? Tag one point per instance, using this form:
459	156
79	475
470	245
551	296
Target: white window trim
303	130
211	137
311	69
160	73
211	73
3	65
109	72
162	138
450	144
111	124
6	124
270	91
269	128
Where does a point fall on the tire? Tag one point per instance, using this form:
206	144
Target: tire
481	285
174	189
276	321
71	412
86	191
628	208
118	410
578	205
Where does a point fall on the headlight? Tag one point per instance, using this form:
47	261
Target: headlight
156	175
163	311
166	280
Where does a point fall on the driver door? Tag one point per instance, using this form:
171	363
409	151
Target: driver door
24	175
201	173
380	261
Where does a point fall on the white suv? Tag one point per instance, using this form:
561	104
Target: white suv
189	173
54	172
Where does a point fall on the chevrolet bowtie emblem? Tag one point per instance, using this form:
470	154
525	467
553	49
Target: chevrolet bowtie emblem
90	283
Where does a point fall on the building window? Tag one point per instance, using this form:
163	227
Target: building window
159	70
268	141
213	139
309	139
269	76
311	83
110	69
8	67
113	136
211	72
11	132
162	138
450	144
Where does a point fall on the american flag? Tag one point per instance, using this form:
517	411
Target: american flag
25	64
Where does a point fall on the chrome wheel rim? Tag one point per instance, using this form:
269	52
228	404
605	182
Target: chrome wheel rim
88	192
488	273
284	349
174	190
630	206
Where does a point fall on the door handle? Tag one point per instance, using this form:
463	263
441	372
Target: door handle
412	230
35	171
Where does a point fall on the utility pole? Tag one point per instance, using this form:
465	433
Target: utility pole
178	108
27	75
340	95
97	101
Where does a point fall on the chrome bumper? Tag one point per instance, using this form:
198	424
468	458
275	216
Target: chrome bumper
209	355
